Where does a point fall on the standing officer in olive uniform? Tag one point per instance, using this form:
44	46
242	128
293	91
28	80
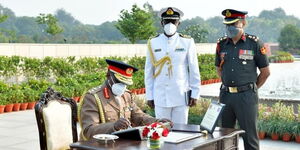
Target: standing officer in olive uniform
238	55
110	107
171	70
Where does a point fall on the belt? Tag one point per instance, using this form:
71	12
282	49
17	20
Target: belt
237	89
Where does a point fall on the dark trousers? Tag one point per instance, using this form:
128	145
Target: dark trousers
242	107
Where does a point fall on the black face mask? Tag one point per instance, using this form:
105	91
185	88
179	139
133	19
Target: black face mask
232	31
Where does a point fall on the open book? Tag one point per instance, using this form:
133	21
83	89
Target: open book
177	137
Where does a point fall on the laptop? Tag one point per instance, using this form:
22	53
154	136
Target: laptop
208	123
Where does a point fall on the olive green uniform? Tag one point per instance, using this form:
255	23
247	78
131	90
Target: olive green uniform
239	63
99	110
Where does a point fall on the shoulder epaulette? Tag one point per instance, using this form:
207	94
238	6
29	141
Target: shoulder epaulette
253	37
151	37
94	90
185	36
222	39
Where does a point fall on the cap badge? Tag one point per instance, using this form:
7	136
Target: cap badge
129	71
228	14
170	12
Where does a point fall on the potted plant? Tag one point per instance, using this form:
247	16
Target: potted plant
32	97
262	128
17	98
286	130
274	129
3	102
296	127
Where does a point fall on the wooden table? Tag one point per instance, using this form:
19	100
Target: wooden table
221	139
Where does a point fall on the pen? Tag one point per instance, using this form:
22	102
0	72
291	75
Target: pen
129	125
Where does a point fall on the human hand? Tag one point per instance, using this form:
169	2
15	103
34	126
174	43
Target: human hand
150	103
192	102
164	120
122	123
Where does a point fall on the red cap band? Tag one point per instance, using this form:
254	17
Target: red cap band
127	72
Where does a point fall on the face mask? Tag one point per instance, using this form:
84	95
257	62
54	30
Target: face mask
232	31
118	88
170	29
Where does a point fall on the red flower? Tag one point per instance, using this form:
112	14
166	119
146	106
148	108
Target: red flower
155	136
154	125
145	131
165	132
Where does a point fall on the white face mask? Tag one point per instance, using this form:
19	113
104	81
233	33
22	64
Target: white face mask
118	88
170	28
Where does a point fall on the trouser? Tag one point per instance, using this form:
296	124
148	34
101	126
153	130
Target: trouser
178	114
242	107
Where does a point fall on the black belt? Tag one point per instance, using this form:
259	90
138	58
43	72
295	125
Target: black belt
237	89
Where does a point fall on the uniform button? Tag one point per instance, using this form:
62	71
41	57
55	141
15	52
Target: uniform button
108	118
233	58
167	53
232	69
166	84
232	81
166	74
234	47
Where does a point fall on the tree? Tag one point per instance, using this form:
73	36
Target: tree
197	32
136	25
51	22
289	39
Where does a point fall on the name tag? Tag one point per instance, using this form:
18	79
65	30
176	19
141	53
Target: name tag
246	54
157	50
179	49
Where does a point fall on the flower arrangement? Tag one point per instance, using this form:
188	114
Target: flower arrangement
155	130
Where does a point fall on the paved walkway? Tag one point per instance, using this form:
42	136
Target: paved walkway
18	131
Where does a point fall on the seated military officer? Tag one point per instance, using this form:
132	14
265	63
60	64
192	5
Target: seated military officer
110	107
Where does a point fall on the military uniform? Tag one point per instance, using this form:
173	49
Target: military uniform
171	69
100	109
239	63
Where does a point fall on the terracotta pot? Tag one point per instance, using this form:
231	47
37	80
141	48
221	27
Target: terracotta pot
274	136
286	137
31	105
202	82
16	106
9	107
24	106
261	135
297	138
2	107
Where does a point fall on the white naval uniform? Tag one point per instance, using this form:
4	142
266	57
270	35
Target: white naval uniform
168	90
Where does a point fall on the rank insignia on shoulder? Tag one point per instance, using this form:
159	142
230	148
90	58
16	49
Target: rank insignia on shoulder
222	39
157	50
263	50
151	37
253	37
185	36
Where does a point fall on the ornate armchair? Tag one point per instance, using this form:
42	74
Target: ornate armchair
56	120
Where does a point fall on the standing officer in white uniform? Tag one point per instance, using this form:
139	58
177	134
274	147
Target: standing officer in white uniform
171	70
